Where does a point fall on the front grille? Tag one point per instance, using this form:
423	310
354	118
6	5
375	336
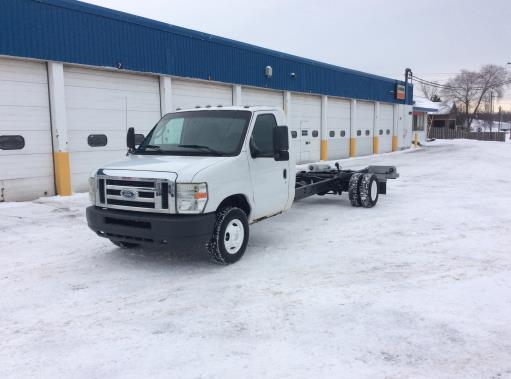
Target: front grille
140	194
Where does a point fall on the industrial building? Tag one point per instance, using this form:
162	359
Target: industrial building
74	77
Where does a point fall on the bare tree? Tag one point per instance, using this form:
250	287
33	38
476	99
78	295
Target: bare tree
469	89
430	92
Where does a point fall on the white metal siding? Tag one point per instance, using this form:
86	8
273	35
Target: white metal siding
386	124
190	94
24	110
105	102
306	122
338	122
365	123
253	96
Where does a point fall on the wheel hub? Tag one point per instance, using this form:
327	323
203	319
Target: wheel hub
234	236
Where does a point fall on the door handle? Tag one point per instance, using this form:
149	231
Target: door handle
284	173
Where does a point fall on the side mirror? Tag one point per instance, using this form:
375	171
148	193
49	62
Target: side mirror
130	139
281	143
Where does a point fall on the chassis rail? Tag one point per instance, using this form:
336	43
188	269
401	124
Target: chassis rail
323	179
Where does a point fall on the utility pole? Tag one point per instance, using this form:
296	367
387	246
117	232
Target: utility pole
491	110
500	116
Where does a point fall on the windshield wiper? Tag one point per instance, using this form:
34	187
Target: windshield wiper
155	147
207	148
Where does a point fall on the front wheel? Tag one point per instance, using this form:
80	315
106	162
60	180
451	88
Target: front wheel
230	236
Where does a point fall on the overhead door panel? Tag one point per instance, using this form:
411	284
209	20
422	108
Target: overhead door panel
338	134
306	122
385	126
190	94
26	171
254	96
100	107
364	125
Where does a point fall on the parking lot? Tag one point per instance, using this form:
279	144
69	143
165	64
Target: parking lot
418	286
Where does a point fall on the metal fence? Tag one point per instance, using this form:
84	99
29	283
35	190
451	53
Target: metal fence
442	133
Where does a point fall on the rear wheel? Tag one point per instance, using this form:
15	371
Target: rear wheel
230	236
125	245
353	189
368	191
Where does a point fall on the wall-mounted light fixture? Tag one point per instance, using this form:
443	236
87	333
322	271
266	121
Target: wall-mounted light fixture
292	75
268	72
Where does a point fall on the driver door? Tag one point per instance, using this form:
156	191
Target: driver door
270	178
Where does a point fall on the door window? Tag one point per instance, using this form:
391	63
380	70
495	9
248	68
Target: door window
261	141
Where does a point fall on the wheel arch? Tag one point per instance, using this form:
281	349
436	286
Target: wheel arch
238	200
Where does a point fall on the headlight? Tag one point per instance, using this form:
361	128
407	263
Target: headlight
191	198
92	190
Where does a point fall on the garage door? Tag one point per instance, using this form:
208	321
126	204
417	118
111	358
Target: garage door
338	122
364	126
385	127
253	96
100	107
190	94
26	162
305	123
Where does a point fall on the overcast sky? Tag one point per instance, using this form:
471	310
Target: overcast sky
435	38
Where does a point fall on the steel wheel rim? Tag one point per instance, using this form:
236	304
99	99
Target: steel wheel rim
234	236
374	190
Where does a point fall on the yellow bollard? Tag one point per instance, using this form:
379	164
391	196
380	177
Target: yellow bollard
62	173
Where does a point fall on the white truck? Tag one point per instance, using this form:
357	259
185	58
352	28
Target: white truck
202	176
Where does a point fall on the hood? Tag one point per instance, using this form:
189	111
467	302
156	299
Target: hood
185	167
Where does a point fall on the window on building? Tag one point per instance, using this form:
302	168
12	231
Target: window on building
343	133
97	140
359	133
368	132
12	142
331	133
380	132
262	136
388	132
418	122
315	133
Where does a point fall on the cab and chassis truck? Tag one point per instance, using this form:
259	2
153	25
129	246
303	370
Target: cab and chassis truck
202	176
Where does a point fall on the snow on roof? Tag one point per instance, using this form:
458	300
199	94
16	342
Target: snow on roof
422	104
445	107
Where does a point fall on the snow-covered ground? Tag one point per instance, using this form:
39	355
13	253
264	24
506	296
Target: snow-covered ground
417	287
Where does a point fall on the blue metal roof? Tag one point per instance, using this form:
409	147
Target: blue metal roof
76	32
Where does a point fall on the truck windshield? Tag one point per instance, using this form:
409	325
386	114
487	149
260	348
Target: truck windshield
209	132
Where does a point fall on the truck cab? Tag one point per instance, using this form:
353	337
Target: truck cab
199	178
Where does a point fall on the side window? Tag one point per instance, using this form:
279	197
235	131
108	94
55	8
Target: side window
331	133
294	134
388	131
380	132
97	140
367	132
315	133
359	133
343	133
139	138
305	133
262	136
12	142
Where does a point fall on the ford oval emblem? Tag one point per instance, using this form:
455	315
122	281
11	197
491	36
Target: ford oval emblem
128	193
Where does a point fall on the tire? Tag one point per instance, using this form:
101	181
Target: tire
354	189
230	236
125	245
368	190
